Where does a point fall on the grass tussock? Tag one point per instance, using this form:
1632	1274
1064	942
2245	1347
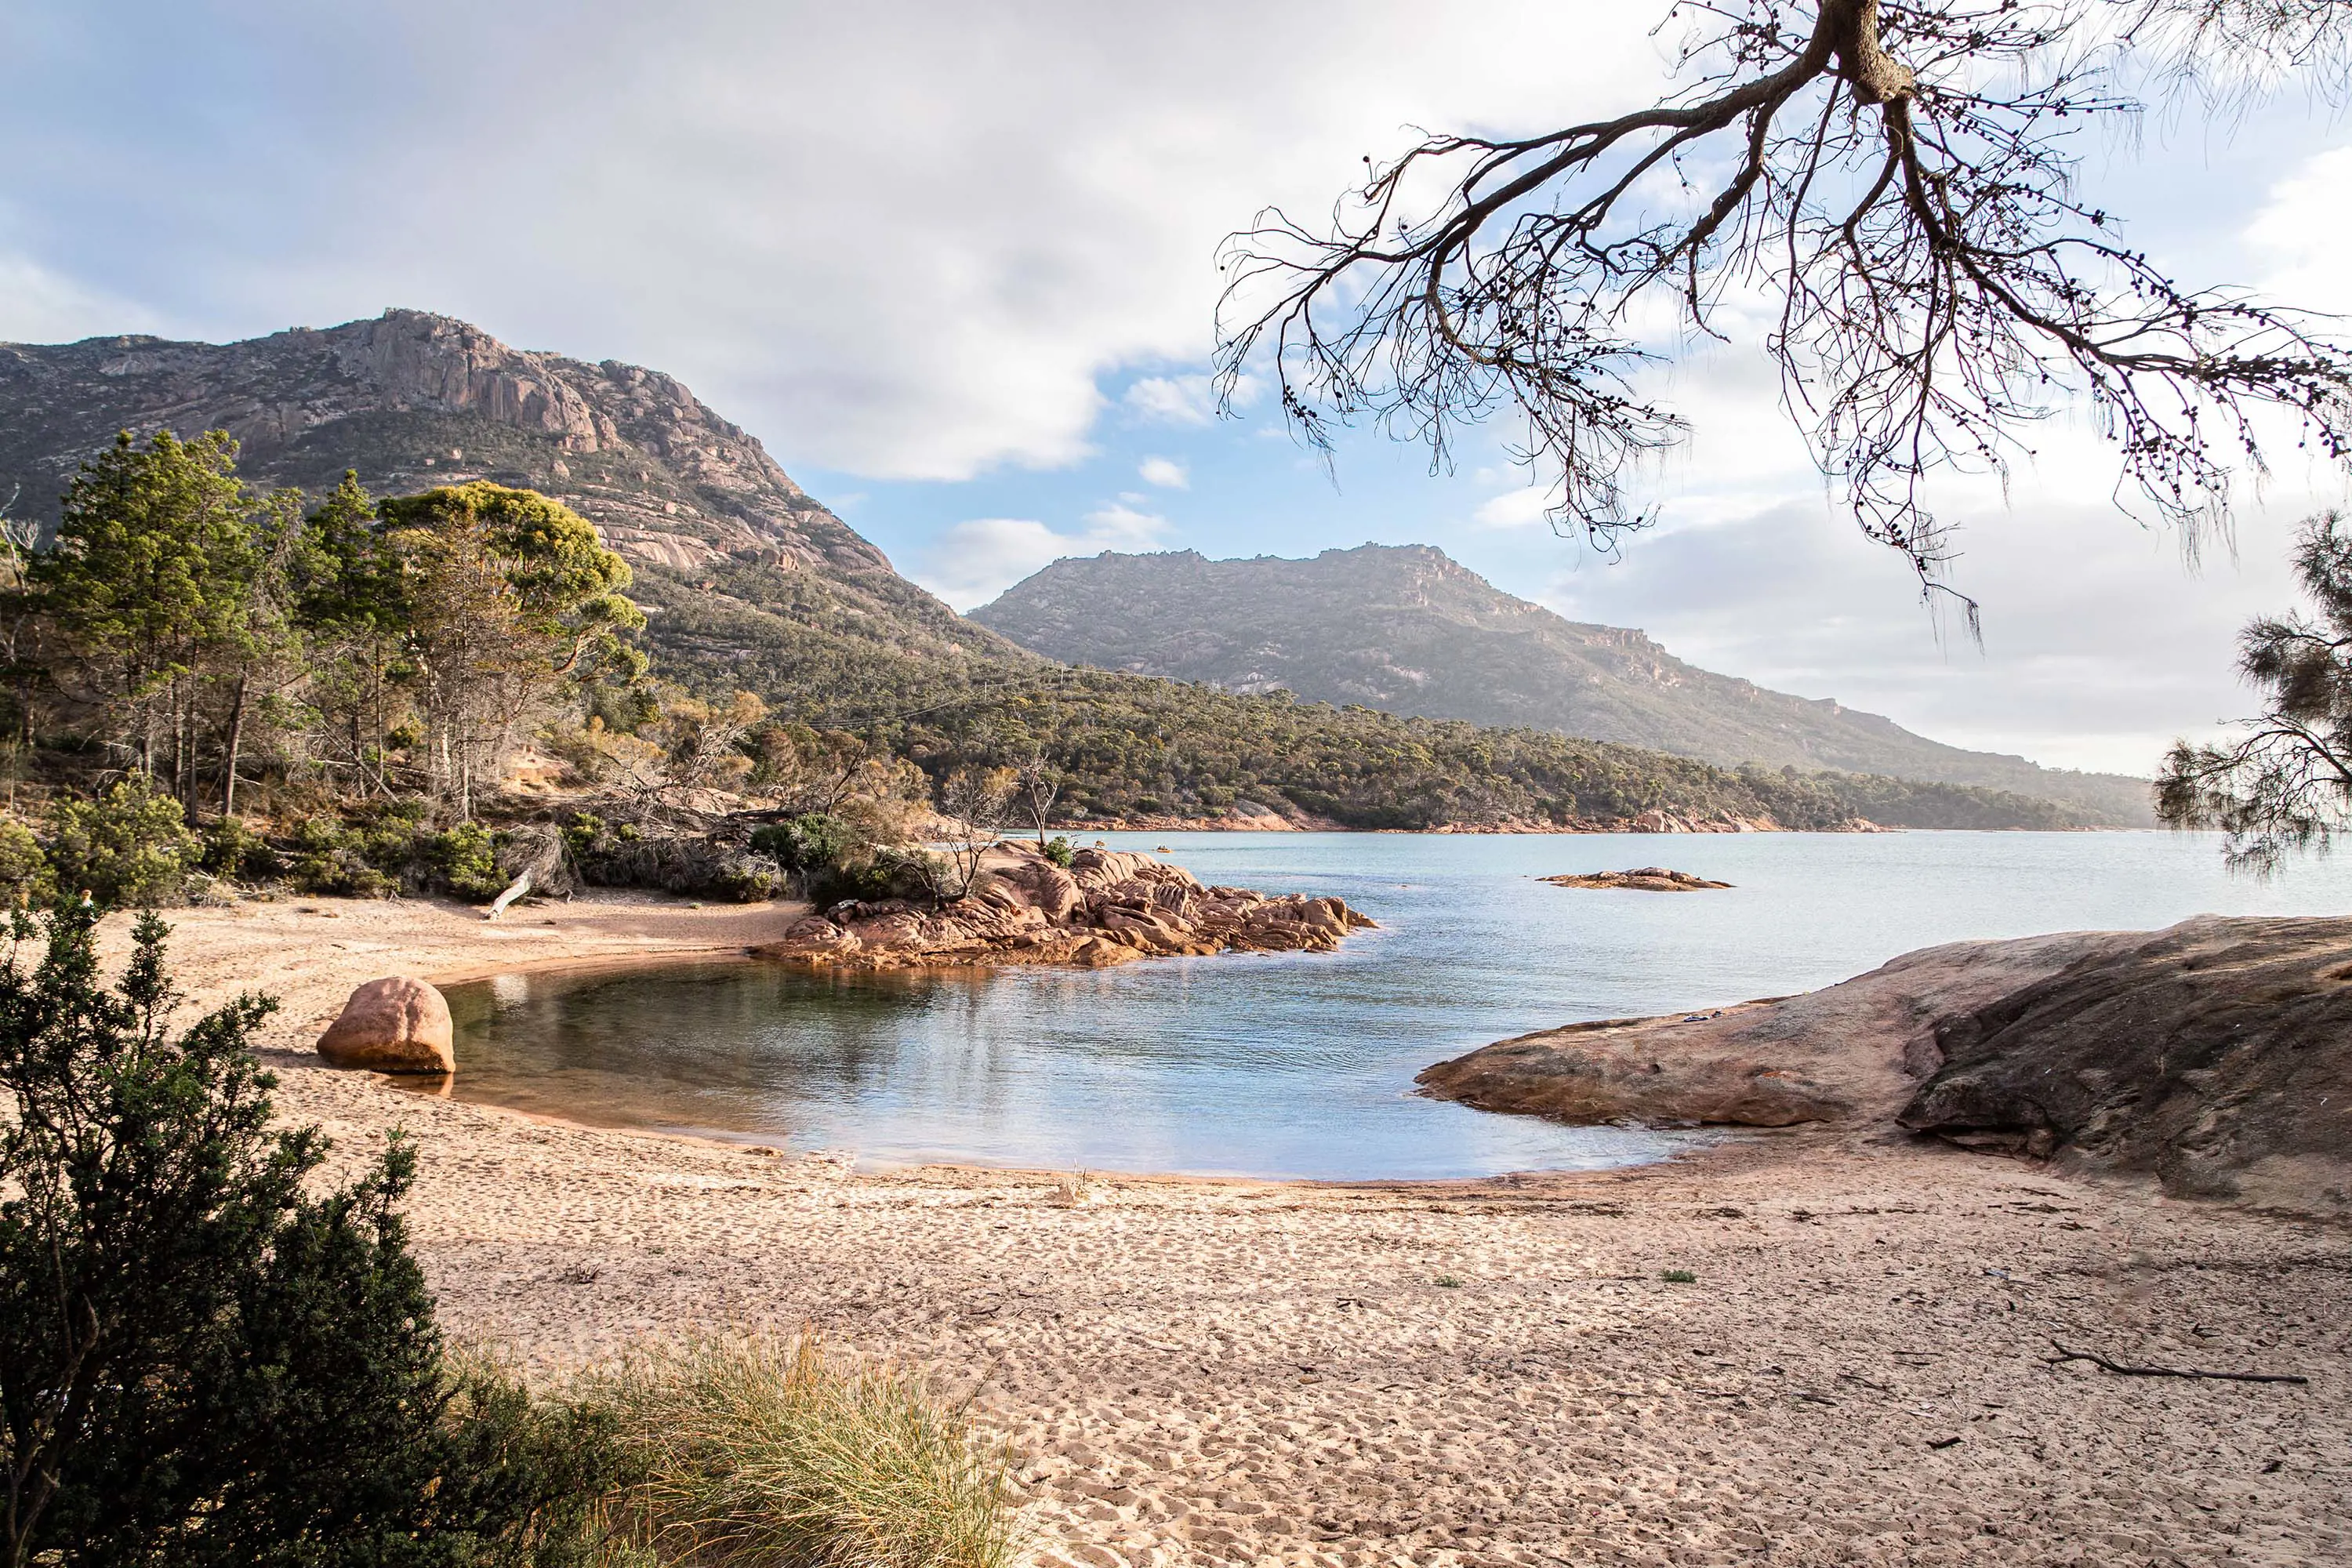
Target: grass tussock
759	1452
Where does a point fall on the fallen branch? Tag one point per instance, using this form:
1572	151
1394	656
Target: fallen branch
515	889
2119	1369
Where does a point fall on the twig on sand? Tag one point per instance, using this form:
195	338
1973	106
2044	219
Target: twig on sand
2121	1369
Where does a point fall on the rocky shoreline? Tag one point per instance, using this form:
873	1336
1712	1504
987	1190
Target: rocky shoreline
1107	907
2215	1056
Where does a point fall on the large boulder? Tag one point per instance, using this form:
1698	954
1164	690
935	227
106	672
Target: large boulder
393	1025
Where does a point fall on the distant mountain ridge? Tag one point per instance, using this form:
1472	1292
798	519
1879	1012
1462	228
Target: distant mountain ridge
1408	629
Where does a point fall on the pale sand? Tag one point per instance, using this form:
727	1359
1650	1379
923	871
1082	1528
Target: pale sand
1196	1371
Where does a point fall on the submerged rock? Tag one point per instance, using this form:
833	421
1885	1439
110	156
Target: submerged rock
1646	879
1109	907
2215	1055
393	1025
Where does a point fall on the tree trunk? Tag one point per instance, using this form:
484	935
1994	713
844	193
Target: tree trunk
236	739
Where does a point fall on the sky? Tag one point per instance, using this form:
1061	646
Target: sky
953	265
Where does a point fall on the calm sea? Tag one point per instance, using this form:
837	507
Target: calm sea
1302	1064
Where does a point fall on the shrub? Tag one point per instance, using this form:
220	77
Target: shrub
130	846
465	859
762	1451
324	856
808	842
235	850
1057	849
204	1362
25	874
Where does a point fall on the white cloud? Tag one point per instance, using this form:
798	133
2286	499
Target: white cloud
1164	472
896	241
1516	508
1173	399
974	562
39	306
2303	231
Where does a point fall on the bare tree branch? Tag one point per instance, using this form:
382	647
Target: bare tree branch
1898	179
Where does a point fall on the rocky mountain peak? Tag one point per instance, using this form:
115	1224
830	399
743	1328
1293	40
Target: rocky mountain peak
410	398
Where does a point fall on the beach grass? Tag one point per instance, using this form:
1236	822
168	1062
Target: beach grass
757	1451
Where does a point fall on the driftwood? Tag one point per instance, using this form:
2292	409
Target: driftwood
515	889
2120	1370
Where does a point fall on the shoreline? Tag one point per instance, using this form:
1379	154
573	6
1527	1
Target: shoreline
1465	1375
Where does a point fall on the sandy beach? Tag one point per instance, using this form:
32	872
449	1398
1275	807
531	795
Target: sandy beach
1457	1373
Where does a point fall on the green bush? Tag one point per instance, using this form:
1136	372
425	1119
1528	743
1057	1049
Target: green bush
203	1361
129	846
324	856
762	1451
25	875
465	859
1057	849
232	849
808	842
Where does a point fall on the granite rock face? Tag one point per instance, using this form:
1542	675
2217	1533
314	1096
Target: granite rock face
393	1025
2215	1056
412	400
1109	906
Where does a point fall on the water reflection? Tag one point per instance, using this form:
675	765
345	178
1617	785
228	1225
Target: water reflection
1301	1064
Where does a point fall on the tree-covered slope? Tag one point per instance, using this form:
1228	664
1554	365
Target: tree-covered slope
1407	630
749	583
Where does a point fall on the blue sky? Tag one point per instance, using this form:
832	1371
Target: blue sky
952	264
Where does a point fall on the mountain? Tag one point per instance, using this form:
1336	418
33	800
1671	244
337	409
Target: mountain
749	583
412	400
1408	629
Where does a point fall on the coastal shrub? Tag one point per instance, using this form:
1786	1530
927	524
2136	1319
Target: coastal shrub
232	849
206	1361
129	846
1057	849
811	842
762	1450
324	856
465	860
1677	1276
25	875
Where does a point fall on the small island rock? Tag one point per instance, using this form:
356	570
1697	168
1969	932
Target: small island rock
393	1025
1642	878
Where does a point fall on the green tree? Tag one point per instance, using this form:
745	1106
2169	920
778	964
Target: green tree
202	1363
2286	783
511	598
150	588
348	591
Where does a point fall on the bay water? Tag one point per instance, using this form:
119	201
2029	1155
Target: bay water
1301	1064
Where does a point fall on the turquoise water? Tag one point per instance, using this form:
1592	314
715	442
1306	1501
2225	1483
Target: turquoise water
1302	1064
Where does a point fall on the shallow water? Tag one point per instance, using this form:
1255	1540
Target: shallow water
1302	1064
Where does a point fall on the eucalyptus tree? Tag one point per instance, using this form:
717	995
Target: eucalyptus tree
509	596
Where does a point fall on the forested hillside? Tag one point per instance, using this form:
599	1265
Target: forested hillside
1406	629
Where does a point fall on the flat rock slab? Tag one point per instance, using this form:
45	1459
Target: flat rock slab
2215	1055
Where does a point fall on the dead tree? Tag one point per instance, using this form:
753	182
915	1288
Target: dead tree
1892	185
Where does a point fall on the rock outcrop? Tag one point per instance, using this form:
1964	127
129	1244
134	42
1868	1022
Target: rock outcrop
1642	878
2215	1055
1107	907
393	1025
